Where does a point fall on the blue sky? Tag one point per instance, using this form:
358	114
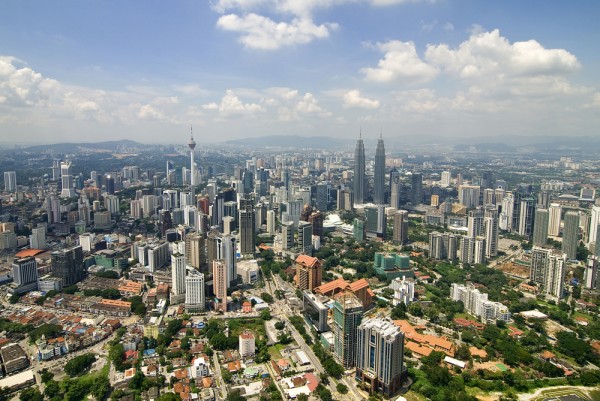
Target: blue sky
146	70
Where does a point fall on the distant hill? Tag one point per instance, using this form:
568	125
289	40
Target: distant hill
292	141
109	146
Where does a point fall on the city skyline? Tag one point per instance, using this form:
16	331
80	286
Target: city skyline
247	68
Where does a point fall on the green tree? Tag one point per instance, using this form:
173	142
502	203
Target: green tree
341	388
79	365
265	314
31	394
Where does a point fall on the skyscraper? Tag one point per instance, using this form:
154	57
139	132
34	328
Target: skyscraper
547	270
309	272
379	356
194	292
379	193
220	284
540	227
195	252
359	172
178	270
247	219
25	274
594	222
66	180
10	181
347	315
67	265
400	227
526	216
571	234
305	233
554	219
417	188
490	223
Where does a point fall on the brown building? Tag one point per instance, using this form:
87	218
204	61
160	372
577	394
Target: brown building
309	272
13	358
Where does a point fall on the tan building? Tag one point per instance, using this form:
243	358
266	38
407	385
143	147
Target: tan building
309	272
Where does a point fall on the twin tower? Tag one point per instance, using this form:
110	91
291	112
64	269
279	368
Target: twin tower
359	173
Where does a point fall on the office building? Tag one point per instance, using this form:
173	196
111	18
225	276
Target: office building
178	272
271	222
309	272
347	315
395	193
416	188
66	180
379	179
359	172
305	233
223	247
321	196
25	274
359	230
67	265
315	311
247	224
345	199
445	179
571	234
195	250
220	284
540	227
590	274
400	231
10	181
194	292
526	216
475	223
379	356
594	222
37	239
491	233
287	235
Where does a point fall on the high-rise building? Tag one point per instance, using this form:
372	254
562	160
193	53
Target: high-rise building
347	315
540	227
222	247
400	227
66	180
445	179
67	265
416	189
379	356
287	235
10	181
468	195
178	270
321	196
305	233
547	270
395	193
404	290
590	274
195	251
359	229
309	272
379	179
25	274
37	239
220	284
554	219
526	216
443	246
359	172
247	219
490	223
194	292
571	234
475	223
345	199
594	222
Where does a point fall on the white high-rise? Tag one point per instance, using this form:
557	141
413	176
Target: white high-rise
446	177
178	271
554	220
194	291
37	239
66	180
270	222
10	181
594	222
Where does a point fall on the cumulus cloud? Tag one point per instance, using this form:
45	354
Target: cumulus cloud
486	54
259	32
354	99
20	85
400	63
231	105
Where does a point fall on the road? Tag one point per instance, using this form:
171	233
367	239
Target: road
281	310
223	388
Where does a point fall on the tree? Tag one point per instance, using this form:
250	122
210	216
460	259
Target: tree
100	387
31	394
169	397
279	325
79	365
235	395
14	298
52	389
46	375
265	314
268	298
341	388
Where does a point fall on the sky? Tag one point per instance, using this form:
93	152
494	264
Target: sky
97	70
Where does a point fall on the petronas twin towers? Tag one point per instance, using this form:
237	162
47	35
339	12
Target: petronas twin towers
359	173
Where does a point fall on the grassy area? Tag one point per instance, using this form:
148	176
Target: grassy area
595	394
414	396
274	352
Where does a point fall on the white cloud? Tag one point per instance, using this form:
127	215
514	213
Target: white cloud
400	63
354	99
231	105
487	54
310	105
259	32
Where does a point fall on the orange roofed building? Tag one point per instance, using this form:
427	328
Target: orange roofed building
432	342
309	272
360	288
